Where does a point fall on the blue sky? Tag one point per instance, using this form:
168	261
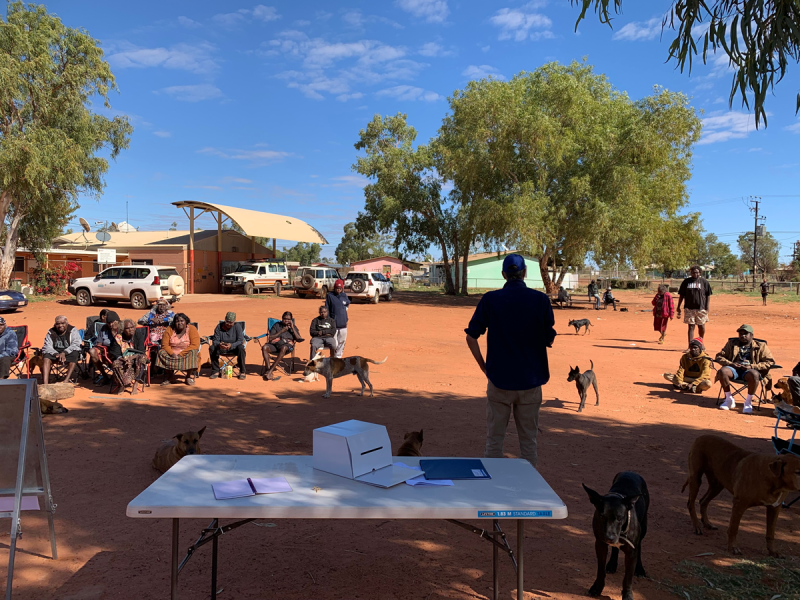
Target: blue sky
259	105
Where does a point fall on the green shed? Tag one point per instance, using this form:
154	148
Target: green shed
484	271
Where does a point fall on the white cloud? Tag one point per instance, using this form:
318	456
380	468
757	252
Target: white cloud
188	23
193	93
485	48
234	19
755	150
204	187
236	180
481	72
408	92
302	23
434	49
336	67
185	57
639	31
346	180
727	126
355	18
162	134
794	128
433	11
346	97
516	23
254	156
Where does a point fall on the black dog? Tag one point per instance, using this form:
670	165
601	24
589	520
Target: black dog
582	381
620	521
580	323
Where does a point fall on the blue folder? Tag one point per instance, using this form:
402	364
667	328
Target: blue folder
454	468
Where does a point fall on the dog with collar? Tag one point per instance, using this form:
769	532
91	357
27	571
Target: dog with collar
331	368
620	521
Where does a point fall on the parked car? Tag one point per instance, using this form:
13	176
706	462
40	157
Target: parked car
314	281
11	300
368	285
141	285
257	275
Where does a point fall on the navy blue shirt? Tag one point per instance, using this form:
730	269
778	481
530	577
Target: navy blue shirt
520	323
337	308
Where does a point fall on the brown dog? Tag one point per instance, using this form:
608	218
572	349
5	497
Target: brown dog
171	452
37	360
753	479
412	444
331	368
52	408
783	385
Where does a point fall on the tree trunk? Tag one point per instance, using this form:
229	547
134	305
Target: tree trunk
549	286
449	289
9	251
456	256
464	268
561	275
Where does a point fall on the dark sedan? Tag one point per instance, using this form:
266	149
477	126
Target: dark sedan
11	300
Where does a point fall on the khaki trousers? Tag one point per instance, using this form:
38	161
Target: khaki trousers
526	405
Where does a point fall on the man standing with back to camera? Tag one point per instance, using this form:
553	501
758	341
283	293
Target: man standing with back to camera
520	323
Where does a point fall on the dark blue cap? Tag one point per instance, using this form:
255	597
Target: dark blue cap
513	263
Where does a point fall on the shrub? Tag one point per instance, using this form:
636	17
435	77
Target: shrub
48	281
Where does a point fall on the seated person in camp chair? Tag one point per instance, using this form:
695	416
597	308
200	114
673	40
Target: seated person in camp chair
180	350
744	359
62	345
694	372
106	342
129	357
228	339
323	332
281	340
9	348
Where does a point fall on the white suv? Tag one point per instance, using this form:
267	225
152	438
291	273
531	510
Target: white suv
141	285
257	275
368	285
314	281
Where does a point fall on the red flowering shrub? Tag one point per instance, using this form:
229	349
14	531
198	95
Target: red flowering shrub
48	281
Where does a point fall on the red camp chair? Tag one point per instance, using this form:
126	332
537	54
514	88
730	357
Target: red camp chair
19	365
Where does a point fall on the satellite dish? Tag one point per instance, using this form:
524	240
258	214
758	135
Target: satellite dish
84	224
125	227
102	236
369	251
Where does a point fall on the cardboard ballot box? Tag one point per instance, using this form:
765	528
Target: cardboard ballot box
358	450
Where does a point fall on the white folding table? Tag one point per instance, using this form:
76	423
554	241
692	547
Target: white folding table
516	491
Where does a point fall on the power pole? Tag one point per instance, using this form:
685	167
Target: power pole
755	201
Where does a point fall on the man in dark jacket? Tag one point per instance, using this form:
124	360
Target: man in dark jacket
338	303
9	348
228	339
62	345
520	324
323	332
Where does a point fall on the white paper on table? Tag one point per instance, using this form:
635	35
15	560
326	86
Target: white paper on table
241	488
388	476
420	480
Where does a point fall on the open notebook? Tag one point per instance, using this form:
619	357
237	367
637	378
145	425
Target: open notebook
241	488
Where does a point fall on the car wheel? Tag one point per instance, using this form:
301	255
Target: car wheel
358	286
138	301
278	288
389	295
377	297
84	298
323	293
248	288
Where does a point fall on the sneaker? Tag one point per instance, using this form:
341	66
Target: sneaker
748	409
214	375
242	375
727	405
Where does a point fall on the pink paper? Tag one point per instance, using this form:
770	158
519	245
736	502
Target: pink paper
28	503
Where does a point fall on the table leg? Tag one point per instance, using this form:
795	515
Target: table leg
520	550
214	548
495	586
175	543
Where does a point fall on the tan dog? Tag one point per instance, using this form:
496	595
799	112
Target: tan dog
331	368
412	444
37	360
753	479
783	385
52	408
314	376
171	452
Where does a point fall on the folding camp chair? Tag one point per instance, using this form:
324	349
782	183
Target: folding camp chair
270	322
739	386
229	359
789	446
203	340
19	365
141	342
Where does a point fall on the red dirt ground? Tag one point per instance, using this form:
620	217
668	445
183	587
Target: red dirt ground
100	453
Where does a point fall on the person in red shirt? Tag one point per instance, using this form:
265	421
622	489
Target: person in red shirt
663	311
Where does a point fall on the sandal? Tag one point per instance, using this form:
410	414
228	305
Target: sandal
166	382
